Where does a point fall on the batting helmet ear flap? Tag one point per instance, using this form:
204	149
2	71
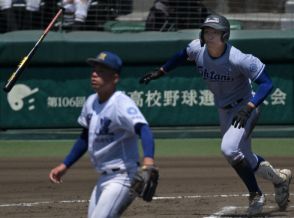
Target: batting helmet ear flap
226	36
201	37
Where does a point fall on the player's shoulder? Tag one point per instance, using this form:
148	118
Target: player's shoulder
194	49
236	55
239	57
124	103
121	97
194	44
90	101
91	98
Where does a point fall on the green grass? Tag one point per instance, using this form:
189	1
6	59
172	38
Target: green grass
34	148
164	147
211	147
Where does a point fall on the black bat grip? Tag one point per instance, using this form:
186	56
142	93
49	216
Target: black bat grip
9	86
16	74
10	83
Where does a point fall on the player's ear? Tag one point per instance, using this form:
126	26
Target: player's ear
116	78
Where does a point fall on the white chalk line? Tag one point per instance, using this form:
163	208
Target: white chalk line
224	210
31	204
230	209
207	196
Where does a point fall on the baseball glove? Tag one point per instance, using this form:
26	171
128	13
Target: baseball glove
145	182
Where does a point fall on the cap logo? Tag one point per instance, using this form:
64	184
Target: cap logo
102	56
212	20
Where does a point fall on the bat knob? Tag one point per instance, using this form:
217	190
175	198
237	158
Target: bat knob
5	89
8	86
62	8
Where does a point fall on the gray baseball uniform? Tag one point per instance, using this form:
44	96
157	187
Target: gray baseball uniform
229	79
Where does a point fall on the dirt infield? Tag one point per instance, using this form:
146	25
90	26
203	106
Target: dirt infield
189	187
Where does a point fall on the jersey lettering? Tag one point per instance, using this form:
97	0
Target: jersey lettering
104	128
214	76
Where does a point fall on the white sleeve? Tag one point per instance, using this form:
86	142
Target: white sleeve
129	114
251	66
193	49
86	112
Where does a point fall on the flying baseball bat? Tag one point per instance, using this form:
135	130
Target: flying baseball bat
25	61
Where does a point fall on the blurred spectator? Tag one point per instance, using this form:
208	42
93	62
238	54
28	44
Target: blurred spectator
92	14
189	14
31	14
169	15
108	10
260	6
159	17
75	14
79	14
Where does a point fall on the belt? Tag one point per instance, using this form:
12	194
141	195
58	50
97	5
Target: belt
233	104
115	170
111	171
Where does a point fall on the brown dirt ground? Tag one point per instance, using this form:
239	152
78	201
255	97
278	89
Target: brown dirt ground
210	183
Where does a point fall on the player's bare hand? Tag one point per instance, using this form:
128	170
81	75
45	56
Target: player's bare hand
56	173
151	76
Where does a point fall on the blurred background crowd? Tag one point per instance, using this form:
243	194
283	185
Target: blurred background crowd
143	15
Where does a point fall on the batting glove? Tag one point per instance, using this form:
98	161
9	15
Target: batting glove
240	119
151	76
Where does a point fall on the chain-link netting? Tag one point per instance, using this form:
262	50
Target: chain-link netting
144	15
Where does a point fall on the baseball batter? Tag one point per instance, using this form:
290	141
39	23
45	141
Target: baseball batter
111	124
228	73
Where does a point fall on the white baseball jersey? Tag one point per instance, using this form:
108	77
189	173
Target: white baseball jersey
113	142
228	77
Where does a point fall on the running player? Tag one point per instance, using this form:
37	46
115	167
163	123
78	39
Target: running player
228	73
111	122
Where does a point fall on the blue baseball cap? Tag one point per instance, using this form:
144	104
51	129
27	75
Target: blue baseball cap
109	59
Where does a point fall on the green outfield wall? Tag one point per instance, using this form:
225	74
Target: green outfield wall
55	85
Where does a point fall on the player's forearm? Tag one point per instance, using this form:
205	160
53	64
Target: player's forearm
265	87
178	59
78	150
146	138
